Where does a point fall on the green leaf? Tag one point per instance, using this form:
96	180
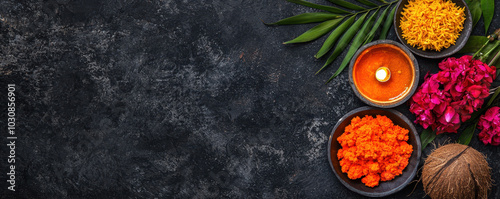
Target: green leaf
356	43
321	7
475	10
426	137
488	8
315	32
368	3
344	40
486	56
328	44
466	135
346	4
494	60
387	24
476	114
473	44
370	36
492	99
306	18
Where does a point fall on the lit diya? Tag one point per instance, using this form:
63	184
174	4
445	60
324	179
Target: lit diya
384	74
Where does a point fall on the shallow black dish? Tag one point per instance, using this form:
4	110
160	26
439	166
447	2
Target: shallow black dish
391	104
459	44
388	187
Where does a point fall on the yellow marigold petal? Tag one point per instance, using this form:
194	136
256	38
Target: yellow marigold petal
431	24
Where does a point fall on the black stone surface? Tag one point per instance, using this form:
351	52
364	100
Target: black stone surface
174	99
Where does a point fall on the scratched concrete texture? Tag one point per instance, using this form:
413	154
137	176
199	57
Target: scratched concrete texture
174	99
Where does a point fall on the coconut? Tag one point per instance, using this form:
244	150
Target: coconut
456	171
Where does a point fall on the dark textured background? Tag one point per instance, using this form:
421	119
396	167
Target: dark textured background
174	99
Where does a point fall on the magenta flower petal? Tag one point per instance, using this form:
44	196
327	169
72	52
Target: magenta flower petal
475	90
491	113
459	87
495	140
489	126
440	108
449	97
450	112
435	99
484	137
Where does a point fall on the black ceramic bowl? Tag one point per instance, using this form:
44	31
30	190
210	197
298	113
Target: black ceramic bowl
399	100
388	187
459	44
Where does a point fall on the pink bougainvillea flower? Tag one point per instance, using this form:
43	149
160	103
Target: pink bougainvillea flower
449	97
489	124
478	91
449	114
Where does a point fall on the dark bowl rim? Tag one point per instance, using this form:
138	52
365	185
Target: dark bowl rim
438	55
416	71
412	130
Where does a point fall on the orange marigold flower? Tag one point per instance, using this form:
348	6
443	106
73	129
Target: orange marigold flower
373	149
371	180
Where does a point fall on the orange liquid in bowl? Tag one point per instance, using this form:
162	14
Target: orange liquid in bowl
400	66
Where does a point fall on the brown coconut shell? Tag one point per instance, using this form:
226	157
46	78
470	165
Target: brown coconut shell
456	171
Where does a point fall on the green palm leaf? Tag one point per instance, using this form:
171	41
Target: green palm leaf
315	32
371	34
328	44
321	7
306	18
346	4
343	25
356	43
346	38
366	2
387	24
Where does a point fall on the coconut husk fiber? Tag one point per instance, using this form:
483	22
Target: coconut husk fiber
456	171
